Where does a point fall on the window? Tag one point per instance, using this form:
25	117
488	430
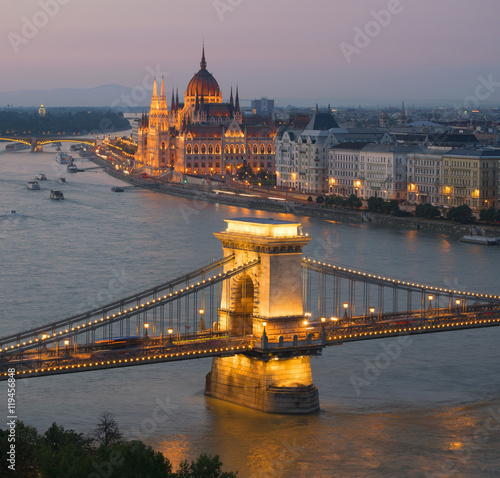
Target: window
210	149
203	149
188	149
217	149
195	149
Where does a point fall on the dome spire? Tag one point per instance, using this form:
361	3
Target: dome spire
203	63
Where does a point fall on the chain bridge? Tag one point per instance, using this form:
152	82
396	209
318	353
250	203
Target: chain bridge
261	312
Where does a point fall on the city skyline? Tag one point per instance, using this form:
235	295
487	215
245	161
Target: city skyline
371	52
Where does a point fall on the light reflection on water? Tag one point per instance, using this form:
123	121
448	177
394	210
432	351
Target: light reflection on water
421	410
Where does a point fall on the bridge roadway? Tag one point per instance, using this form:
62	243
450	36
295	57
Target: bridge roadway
53	361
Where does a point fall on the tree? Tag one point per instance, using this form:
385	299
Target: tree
131	459
461	214
310	199
27	460
206	466
353	202
107	431
488	215
376	204
329	201
427	210
320	199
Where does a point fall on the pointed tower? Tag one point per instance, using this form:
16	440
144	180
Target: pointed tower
153	110
162	108
231	100
237	101
172	102
177	99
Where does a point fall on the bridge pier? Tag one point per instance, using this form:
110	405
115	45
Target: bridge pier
264	302
270	385
35	146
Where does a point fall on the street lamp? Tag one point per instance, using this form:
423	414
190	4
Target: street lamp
201	326
372	311
346	306
146	327
170	332
66	342
431	298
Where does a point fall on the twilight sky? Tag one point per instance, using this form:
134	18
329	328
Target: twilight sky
315	49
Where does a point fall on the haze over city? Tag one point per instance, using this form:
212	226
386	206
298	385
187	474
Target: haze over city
366	52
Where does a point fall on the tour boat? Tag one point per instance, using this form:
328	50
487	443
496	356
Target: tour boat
57	195
63	158
41	177
17	147
32	185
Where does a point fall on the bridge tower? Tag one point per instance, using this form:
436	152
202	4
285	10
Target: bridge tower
264	302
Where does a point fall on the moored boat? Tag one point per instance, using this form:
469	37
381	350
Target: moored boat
484	240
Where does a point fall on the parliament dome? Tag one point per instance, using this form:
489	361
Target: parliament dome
203	84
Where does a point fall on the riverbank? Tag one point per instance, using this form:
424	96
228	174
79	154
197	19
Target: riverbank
229	196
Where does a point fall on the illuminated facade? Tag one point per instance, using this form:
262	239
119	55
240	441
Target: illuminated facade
203	135
470	177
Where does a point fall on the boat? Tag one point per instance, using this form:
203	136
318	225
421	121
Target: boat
476	237
33	185
117	189
76	147
62	179
72	168
63	158
484	240
17	147
57	195
41	177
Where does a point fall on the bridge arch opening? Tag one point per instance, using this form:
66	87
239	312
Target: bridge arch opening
244	295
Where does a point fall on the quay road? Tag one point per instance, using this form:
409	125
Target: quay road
43	360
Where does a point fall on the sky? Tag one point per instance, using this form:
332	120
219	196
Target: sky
333	50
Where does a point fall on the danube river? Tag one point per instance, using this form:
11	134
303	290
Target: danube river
434	410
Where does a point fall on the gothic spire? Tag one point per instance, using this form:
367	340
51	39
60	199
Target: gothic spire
231	101
163	97
203	63
172	102
237	101
177	99
154	98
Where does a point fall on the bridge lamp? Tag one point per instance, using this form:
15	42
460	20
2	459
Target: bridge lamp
201	311
66	342
334	319
372	311
146	326
323	319
44	336
346	306
170	332
306	322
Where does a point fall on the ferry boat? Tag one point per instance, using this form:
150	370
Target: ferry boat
41	177
63	158
56	195
33	185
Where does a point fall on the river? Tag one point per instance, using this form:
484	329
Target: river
432	410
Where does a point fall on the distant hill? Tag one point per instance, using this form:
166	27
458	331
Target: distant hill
106	95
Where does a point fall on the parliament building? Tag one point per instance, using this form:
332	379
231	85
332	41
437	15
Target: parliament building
203	135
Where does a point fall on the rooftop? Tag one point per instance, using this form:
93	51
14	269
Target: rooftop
265	227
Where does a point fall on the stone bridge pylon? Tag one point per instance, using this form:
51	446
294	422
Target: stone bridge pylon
264	302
